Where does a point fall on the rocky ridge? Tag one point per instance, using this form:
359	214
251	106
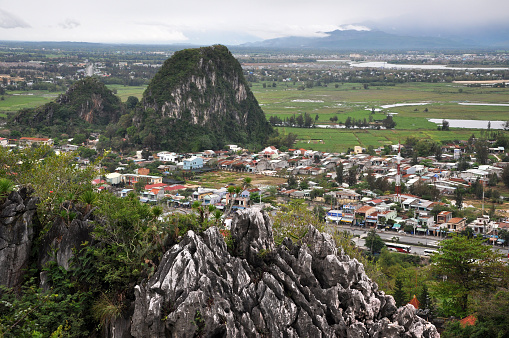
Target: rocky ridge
18	225
308	290
203	92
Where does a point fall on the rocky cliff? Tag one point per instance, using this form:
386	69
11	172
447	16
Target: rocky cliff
87	102
200	99
255	289
18	224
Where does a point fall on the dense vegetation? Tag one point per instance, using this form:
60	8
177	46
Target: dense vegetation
215	105
127	241
87	105
198	100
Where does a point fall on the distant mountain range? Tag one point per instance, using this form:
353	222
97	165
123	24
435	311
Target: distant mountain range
376	40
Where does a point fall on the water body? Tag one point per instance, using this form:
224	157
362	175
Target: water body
484	104
470	124
308	101
380	64
387	106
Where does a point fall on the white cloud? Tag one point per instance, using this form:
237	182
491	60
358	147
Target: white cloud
8	20
167	21
69	24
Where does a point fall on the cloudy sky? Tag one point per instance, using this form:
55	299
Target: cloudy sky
234	22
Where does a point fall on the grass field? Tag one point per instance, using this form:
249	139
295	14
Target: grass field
348	100
13	101
125	91
16	100
442	103
218	179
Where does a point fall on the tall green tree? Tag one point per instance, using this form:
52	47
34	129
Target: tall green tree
374	242
466	266
352	176
458	196
399	294
339	173
505	176
481	151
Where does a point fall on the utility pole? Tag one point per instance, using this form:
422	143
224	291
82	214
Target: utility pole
398	175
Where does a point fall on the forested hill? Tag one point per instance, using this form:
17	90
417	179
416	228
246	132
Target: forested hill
87	104
200	100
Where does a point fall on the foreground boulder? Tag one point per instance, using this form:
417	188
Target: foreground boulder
18	224
307	290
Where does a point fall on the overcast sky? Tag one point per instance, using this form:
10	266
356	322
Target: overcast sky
232	22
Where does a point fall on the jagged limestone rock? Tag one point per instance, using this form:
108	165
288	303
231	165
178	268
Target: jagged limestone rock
17	222
307	290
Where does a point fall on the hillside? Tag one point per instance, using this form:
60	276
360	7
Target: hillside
87	104
355	40
193	285
200	100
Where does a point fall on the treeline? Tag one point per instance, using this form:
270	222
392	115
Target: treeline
301	121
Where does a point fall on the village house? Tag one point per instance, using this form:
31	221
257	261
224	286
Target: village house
482	225
131	179
29	141
193	162
165	156
114	178
270	152
240	201
365	211
444	217
455	224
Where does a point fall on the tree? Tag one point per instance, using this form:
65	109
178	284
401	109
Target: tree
374	242
388	122
425	298
399	294
458	195
352	176
467	266
246	183
293	221
445	125
131	102
339	173
481	151
505	176
462	164
292	182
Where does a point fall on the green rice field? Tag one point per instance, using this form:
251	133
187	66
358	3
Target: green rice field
348	100
352	100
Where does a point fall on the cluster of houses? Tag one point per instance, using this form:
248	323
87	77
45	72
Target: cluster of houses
380	213
363	208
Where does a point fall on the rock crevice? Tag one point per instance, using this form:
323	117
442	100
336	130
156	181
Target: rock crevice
307	290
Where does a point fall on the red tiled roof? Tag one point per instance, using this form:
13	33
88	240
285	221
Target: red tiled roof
470	321
364	208
415	302
157	185
174	187
34	139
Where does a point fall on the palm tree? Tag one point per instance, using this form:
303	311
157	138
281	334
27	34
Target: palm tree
217	216
6	186
197	206
88	198
233	191
247	182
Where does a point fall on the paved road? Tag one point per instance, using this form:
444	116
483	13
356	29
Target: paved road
418	243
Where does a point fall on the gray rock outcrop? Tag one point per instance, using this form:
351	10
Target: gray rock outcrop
17	228
306	290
